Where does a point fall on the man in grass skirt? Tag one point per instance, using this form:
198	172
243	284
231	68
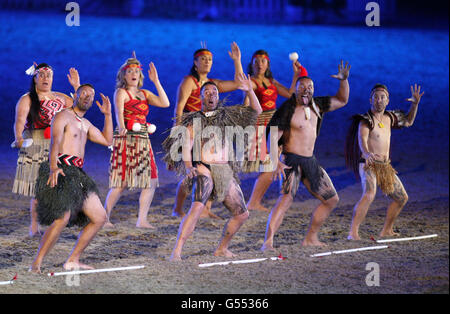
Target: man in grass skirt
66	195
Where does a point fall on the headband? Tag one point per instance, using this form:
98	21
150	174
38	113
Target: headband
202	53
262	55
32	71
133	65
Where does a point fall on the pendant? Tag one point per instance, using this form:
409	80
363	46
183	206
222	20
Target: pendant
307	113
381	125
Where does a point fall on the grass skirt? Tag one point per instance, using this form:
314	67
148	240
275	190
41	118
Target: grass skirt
69	195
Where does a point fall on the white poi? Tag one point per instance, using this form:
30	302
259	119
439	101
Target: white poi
4	283
9	282
93	271
370	248
408	239
245	261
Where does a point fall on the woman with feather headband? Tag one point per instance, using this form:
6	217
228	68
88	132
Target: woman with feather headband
132	163
34	113
189	100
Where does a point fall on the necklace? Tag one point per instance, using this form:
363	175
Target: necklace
77	116
380	124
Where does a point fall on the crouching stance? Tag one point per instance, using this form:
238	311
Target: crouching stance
367	154
214	176
66	195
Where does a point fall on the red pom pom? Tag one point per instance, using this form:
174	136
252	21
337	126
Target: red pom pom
47	133
303	72
130	124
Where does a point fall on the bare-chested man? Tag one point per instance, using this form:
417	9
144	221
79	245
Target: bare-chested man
299	120
367	153
213	175
65	194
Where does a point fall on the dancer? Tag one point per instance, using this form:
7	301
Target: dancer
368	155
267	90
64	193
188	100
34	113
133	163
214	175
299	120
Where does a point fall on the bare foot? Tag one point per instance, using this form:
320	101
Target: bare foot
178	214
35	269
258	207
108	225
268	248
76	266
354	237
34	230
390	233
313	242
144	225
175	258
224	252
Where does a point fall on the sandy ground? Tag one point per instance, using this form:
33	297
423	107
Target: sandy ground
406	267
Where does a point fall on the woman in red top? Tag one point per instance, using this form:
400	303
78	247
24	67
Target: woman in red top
132	163
34	113
267	90
188	100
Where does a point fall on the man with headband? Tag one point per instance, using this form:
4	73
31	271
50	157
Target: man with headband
299	120
213	172
65	194
368	155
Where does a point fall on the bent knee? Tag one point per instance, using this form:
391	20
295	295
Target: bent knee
369	196
332	202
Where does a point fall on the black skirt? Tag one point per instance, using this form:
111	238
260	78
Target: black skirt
68	195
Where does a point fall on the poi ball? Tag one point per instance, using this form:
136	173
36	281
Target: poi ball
136	127
47	133
151	128
293	56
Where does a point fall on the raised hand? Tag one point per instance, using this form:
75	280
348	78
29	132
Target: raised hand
235	52
297	66
152	73
344	71
416	96
245	82
74	78
105	107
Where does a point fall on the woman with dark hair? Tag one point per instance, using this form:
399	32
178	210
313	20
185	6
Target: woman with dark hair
34	113
132	164
267	89
188	100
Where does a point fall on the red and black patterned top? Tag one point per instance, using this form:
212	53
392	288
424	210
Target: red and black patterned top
47	111
136	109
267	96
194	102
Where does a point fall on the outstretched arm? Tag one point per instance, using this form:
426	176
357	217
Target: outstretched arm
106	136
246	85
229	86
343	94
415	100
162	100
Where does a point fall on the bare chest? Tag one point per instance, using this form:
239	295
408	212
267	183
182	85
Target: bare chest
304	120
